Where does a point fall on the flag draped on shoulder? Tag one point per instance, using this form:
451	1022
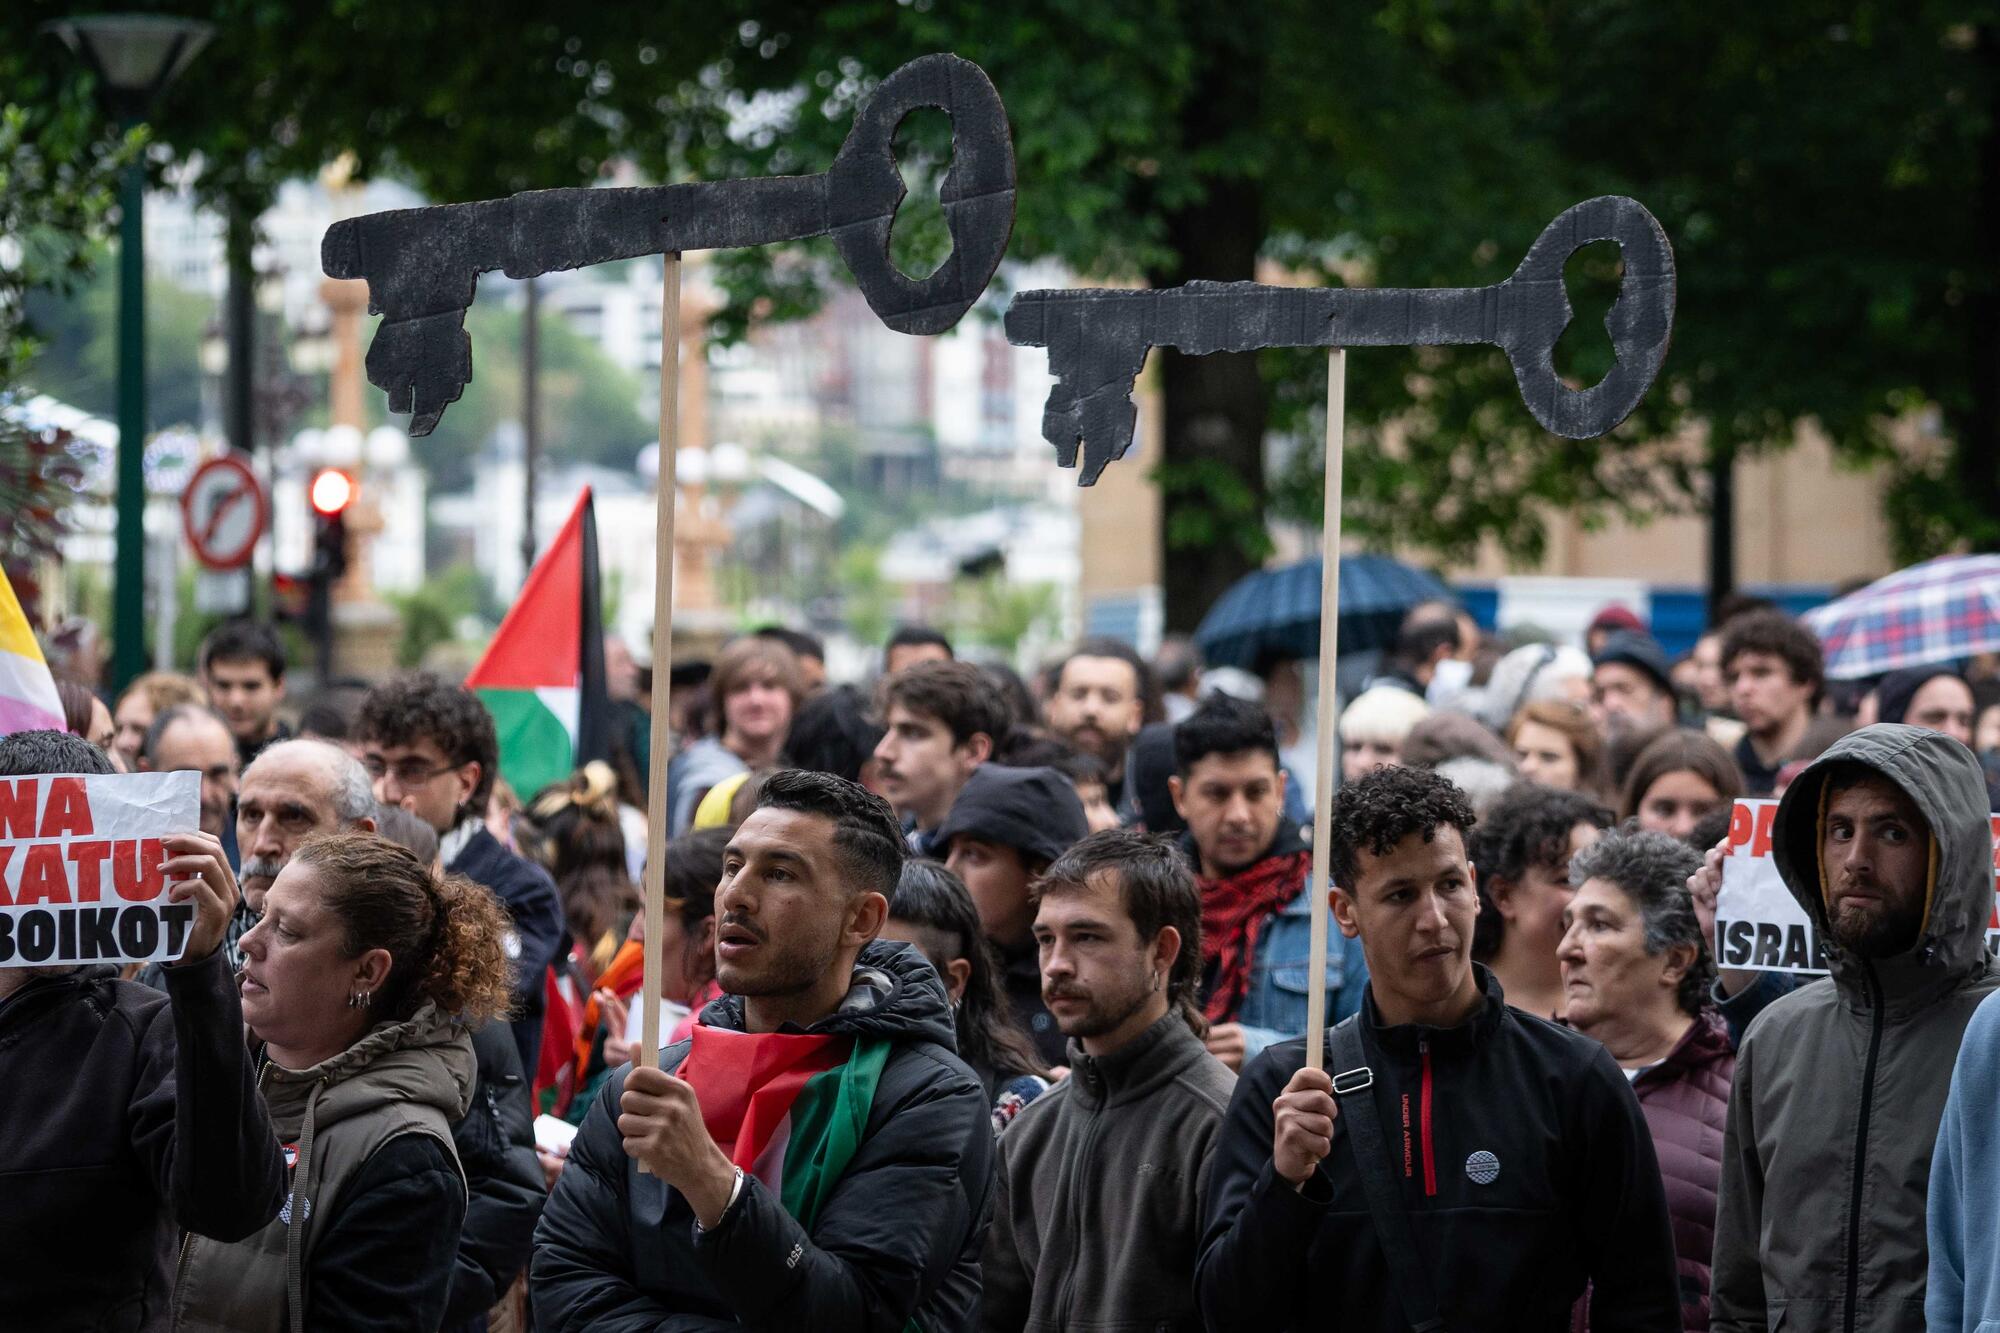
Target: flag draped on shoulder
542	677
789	1108
28	699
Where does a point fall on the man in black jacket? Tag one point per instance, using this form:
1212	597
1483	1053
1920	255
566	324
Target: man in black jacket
870	1231
126	1115
1513	1148
431	748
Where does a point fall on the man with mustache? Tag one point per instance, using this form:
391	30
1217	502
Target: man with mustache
1482	1166
1887	843
1099	697
1100	1190
941	720
1256	919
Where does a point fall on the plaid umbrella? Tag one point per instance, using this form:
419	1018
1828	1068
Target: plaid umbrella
1939	611
1276	611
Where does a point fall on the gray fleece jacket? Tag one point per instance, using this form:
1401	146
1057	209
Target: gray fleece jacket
1102	1186
1841	1084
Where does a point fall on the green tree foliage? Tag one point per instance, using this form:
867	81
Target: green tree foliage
77	360
1829	175
57	185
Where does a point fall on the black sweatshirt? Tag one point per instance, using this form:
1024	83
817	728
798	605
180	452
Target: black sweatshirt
125	1115
1525	1166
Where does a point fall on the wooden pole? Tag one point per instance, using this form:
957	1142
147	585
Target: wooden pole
1329	656
648	1054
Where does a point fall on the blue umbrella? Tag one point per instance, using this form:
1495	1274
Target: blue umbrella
1275	612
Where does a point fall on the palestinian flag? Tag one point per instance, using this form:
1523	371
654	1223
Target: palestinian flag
789	1108
542	677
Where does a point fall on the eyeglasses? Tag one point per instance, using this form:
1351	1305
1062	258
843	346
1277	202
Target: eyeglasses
408	773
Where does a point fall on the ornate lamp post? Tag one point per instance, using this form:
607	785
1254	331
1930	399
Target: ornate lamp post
135	57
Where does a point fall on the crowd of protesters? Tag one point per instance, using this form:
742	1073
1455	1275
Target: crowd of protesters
983	1001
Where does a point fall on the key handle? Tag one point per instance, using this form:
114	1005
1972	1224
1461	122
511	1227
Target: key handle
1640	321
865	191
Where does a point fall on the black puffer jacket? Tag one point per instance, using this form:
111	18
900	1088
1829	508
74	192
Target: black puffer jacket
503	1182
124	1116
899	1237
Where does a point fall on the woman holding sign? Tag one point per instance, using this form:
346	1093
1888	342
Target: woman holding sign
361	982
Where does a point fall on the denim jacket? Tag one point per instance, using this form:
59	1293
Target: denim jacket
1274	1008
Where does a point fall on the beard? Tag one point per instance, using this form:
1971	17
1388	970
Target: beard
784	970
1105	1010
1872	931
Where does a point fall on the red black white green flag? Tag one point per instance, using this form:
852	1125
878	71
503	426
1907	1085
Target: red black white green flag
542	677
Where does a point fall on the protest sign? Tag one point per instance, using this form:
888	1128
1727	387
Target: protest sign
1759	926
81	867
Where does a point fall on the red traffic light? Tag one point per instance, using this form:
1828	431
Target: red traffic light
332	491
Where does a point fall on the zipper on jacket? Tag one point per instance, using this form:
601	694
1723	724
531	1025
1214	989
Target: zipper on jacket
1424	1122
1861	1144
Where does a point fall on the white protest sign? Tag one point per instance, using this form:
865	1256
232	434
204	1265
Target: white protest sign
81	857
1759	926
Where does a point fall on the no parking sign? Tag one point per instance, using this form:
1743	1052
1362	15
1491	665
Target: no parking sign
224	510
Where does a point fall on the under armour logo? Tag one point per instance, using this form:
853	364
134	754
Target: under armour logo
1483	1167
798	1253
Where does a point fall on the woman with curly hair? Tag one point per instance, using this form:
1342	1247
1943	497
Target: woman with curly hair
1636	973
361	984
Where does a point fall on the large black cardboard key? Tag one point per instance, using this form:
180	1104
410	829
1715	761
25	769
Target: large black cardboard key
422	264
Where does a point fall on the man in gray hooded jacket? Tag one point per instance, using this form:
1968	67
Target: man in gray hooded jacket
1886	842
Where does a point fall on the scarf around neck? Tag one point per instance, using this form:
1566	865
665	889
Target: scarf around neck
1233	912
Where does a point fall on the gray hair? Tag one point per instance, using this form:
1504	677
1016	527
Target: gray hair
1483	781
1529	674
1653	870
169	718
353	794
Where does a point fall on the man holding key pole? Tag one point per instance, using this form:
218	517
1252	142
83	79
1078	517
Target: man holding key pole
1481	1165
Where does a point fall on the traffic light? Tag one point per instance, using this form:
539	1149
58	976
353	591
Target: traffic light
331	493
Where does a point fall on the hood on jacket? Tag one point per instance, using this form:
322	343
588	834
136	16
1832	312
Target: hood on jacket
895	994
1945	782
426	1058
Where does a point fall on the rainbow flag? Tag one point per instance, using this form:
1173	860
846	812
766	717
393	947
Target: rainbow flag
789	1108
542	677
28	700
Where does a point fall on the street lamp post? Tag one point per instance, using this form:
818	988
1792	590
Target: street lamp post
135	57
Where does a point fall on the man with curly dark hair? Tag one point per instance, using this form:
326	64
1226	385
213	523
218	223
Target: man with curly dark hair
430	748
1482	1166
